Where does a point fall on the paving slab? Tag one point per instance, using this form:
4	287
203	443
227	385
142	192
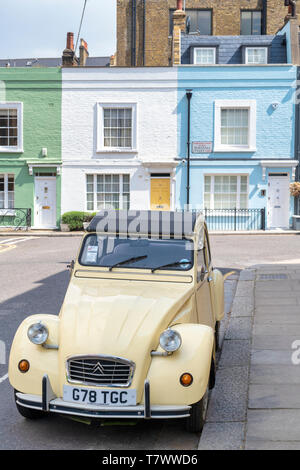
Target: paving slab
235	353
243	306
267	356
222	436
274	374
239	328
254	444
229	397
247	275
244	288
260	341
273	396
273	425
271	329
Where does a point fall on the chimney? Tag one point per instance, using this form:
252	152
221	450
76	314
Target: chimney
68	58
179	26
83	52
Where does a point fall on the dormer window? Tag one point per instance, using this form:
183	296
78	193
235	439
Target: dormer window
256	55
204	55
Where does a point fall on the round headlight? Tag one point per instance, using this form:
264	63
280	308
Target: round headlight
170	340
38	333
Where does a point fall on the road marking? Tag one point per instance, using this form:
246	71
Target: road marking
3	378
13	241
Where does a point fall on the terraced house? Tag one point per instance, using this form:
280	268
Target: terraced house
30	146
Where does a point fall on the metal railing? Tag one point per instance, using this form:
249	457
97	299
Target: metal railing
235	219
16	218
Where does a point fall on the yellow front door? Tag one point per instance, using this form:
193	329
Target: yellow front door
160	194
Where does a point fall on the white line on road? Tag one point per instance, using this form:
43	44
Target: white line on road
3	378
13	241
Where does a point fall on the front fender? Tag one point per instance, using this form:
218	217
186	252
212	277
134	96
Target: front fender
194	356
41	360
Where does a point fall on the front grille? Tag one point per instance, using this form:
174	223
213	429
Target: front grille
100	371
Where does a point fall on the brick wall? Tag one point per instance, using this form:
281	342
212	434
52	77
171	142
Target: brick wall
158	49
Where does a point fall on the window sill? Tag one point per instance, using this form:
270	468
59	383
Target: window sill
11	150
116	150
228	148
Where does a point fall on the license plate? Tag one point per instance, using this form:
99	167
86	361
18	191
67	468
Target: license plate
96	396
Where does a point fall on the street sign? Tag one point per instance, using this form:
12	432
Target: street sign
201	147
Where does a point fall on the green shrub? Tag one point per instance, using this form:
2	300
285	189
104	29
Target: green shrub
75	219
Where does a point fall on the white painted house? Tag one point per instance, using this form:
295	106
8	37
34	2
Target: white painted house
119	138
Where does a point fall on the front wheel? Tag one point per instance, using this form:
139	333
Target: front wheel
29	413
196	420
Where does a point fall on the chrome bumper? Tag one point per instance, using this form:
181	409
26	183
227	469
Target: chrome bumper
49	403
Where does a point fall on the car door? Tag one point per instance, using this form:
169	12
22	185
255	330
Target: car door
203	295
216	284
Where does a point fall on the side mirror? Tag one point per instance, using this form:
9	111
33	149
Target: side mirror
71	265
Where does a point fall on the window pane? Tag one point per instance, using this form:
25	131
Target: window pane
256	55
109	192
204	56
117	127
200	21
234	126
251	22
8	128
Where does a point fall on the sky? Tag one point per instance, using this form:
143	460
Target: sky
38	28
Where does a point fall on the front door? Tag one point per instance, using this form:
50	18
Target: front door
45	202
278	201
160	193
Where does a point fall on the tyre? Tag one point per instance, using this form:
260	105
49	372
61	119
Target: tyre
196	420
29	413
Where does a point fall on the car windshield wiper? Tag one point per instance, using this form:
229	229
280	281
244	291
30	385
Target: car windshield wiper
135	258
176	263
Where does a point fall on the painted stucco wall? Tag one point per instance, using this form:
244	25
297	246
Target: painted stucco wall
39	89
153	90
274	127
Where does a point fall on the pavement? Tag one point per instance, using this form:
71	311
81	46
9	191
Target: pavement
255	404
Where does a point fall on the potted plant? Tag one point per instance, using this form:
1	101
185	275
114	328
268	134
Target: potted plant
295	192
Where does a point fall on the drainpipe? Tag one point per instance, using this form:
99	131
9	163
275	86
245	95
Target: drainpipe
133	35
189	95
144	33
264	17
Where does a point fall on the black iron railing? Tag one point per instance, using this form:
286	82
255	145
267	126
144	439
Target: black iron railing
15	218
235	219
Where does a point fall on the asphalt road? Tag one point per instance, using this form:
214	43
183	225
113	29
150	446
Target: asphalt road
34	278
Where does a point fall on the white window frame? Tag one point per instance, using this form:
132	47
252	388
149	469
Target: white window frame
100	126
212	189
235	104
19	107
256	63
204	48
95	188
6	175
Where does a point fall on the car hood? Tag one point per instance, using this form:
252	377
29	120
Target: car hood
118	318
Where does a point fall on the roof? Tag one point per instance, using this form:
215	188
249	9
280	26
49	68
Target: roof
231	48
151	223
52	62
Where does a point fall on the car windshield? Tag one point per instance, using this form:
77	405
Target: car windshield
142	253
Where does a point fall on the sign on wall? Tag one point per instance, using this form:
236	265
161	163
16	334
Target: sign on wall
201	147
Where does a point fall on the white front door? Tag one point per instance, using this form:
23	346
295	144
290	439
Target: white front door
278	202
45	202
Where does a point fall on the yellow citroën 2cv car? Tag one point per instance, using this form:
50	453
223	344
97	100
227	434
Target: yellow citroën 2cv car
138	329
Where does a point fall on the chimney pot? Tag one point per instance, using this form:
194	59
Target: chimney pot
179	4
70	41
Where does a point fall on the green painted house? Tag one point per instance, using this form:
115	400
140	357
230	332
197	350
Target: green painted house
30	147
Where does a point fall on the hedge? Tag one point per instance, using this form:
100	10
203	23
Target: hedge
75	219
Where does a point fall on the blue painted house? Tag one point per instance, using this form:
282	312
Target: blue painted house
236	121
